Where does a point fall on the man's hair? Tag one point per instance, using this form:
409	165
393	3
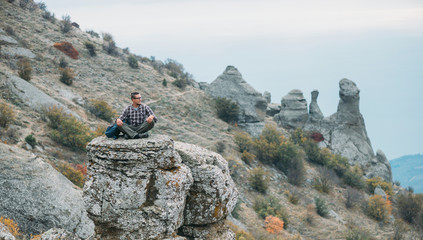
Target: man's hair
133	94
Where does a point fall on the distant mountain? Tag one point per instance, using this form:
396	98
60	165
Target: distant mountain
408	170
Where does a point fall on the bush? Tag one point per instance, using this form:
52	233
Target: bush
74	175
243	140
270	206
67	130
324	180
92	33
65	24
293	197
132	61
181	83
378	208
67	76
24	69
91	49
247	157
220	147
409	207
312	151
239	233
109	44
372	183
400	229
226	109
298	136
11	226
237	209
273	224
164	82
6	115
352	197
321	207
31	140
107	37
49	16
101	109
353	177
63	63
259	180
42	6
356	233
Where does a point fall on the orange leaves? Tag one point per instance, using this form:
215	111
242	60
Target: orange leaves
273	224
379	208
67	49
12	226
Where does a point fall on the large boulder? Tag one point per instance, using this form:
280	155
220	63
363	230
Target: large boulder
12	51
136	189
293	112
345	133
5	233
37	197
155	189
230	84
213	195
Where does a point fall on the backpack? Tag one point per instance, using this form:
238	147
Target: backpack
112	131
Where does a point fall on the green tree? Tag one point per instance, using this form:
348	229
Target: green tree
226	109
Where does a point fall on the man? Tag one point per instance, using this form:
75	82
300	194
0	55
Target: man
139	117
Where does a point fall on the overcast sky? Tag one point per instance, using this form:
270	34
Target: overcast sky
283	45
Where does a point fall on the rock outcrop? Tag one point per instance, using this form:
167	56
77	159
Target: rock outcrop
30	95
293	112
37	197
230	84
155	189
345	132
314	111
5	233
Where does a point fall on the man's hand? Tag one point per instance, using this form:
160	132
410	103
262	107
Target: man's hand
119	122
150	118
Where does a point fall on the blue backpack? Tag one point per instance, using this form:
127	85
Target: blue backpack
113	131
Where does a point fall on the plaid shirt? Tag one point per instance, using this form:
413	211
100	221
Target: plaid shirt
137	115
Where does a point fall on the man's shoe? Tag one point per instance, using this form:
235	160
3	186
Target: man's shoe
142	135
126	136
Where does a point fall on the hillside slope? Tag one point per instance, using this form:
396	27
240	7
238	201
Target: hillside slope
186	115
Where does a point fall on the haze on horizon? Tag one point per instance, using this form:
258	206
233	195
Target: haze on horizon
283	45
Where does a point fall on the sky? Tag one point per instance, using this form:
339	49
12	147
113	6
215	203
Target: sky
280	45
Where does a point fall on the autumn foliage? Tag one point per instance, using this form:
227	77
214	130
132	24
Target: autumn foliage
12	226
379	208
67	49
273	224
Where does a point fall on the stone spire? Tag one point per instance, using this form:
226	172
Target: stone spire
314	111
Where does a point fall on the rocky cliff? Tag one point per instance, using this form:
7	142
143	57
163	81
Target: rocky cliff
157	189
230	84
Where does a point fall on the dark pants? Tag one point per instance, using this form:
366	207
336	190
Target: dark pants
132	131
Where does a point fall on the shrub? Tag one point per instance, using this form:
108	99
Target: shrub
378	208
109	44
313	152
237	209
91	49
220	147
356	233
101	109
321	207
67	76
352	197
353	177
239	233
273	224
42	6
6	115
31	140
226	109
9	30
63	63
67	48
11	225
107	37
409	207
243	140
400	229
164	82
24	69
92	33
247	157
259	180
298	136
74	175
335	161
372	183
270	206
49	16
65	24
67	130
324	180
132	61
293	197
181	83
